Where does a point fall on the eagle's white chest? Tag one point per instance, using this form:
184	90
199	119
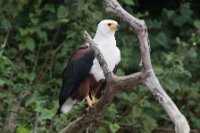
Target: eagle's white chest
111	55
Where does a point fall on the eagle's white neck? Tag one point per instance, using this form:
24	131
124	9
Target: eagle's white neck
103	38
99	33
106	43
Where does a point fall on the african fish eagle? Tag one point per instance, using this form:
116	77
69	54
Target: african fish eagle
83	75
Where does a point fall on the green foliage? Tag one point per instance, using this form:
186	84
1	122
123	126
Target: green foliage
128	2
38	37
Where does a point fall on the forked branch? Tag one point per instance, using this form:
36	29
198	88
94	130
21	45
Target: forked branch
114	83
151	81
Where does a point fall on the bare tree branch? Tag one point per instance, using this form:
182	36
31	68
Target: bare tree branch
114	83
180	122
10	121
129	81
35	128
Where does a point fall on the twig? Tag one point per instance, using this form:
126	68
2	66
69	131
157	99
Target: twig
10	121
35	129
3	45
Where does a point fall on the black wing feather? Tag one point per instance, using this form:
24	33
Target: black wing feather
75	73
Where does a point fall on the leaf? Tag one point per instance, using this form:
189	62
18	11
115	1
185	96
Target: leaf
129	2
63	20
31	99
62	12
2	82
50	24
101	130
172	86
169	13
197	24
22	130
158	70
23	32
114	127
112	112
137	112
162	39
185	15
5	24
149	124
34	20
49	7
23	2
120	72
30	44
197	123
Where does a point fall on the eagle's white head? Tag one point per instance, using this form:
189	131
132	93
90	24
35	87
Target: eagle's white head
107	26
105	33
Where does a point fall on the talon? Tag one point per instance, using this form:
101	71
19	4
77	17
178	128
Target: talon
94	100
89	101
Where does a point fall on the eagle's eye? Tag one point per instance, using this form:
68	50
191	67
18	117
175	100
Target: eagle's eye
109	24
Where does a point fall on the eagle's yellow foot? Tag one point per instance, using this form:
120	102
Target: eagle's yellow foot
90	101
93	100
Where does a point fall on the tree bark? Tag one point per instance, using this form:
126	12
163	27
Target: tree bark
10	121
114	83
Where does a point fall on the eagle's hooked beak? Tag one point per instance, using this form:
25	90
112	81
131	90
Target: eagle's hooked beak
114	26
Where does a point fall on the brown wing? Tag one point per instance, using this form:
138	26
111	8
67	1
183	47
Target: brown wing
76	72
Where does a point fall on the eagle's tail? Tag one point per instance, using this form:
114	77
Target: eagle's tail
66	107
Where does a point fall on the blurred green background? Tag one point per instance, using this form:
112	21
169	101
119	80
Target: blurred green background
37	38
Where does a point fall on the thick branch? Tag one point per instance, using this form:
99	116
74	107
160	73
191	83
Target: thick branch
114	83
137	25
181	124
129	81
95	113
